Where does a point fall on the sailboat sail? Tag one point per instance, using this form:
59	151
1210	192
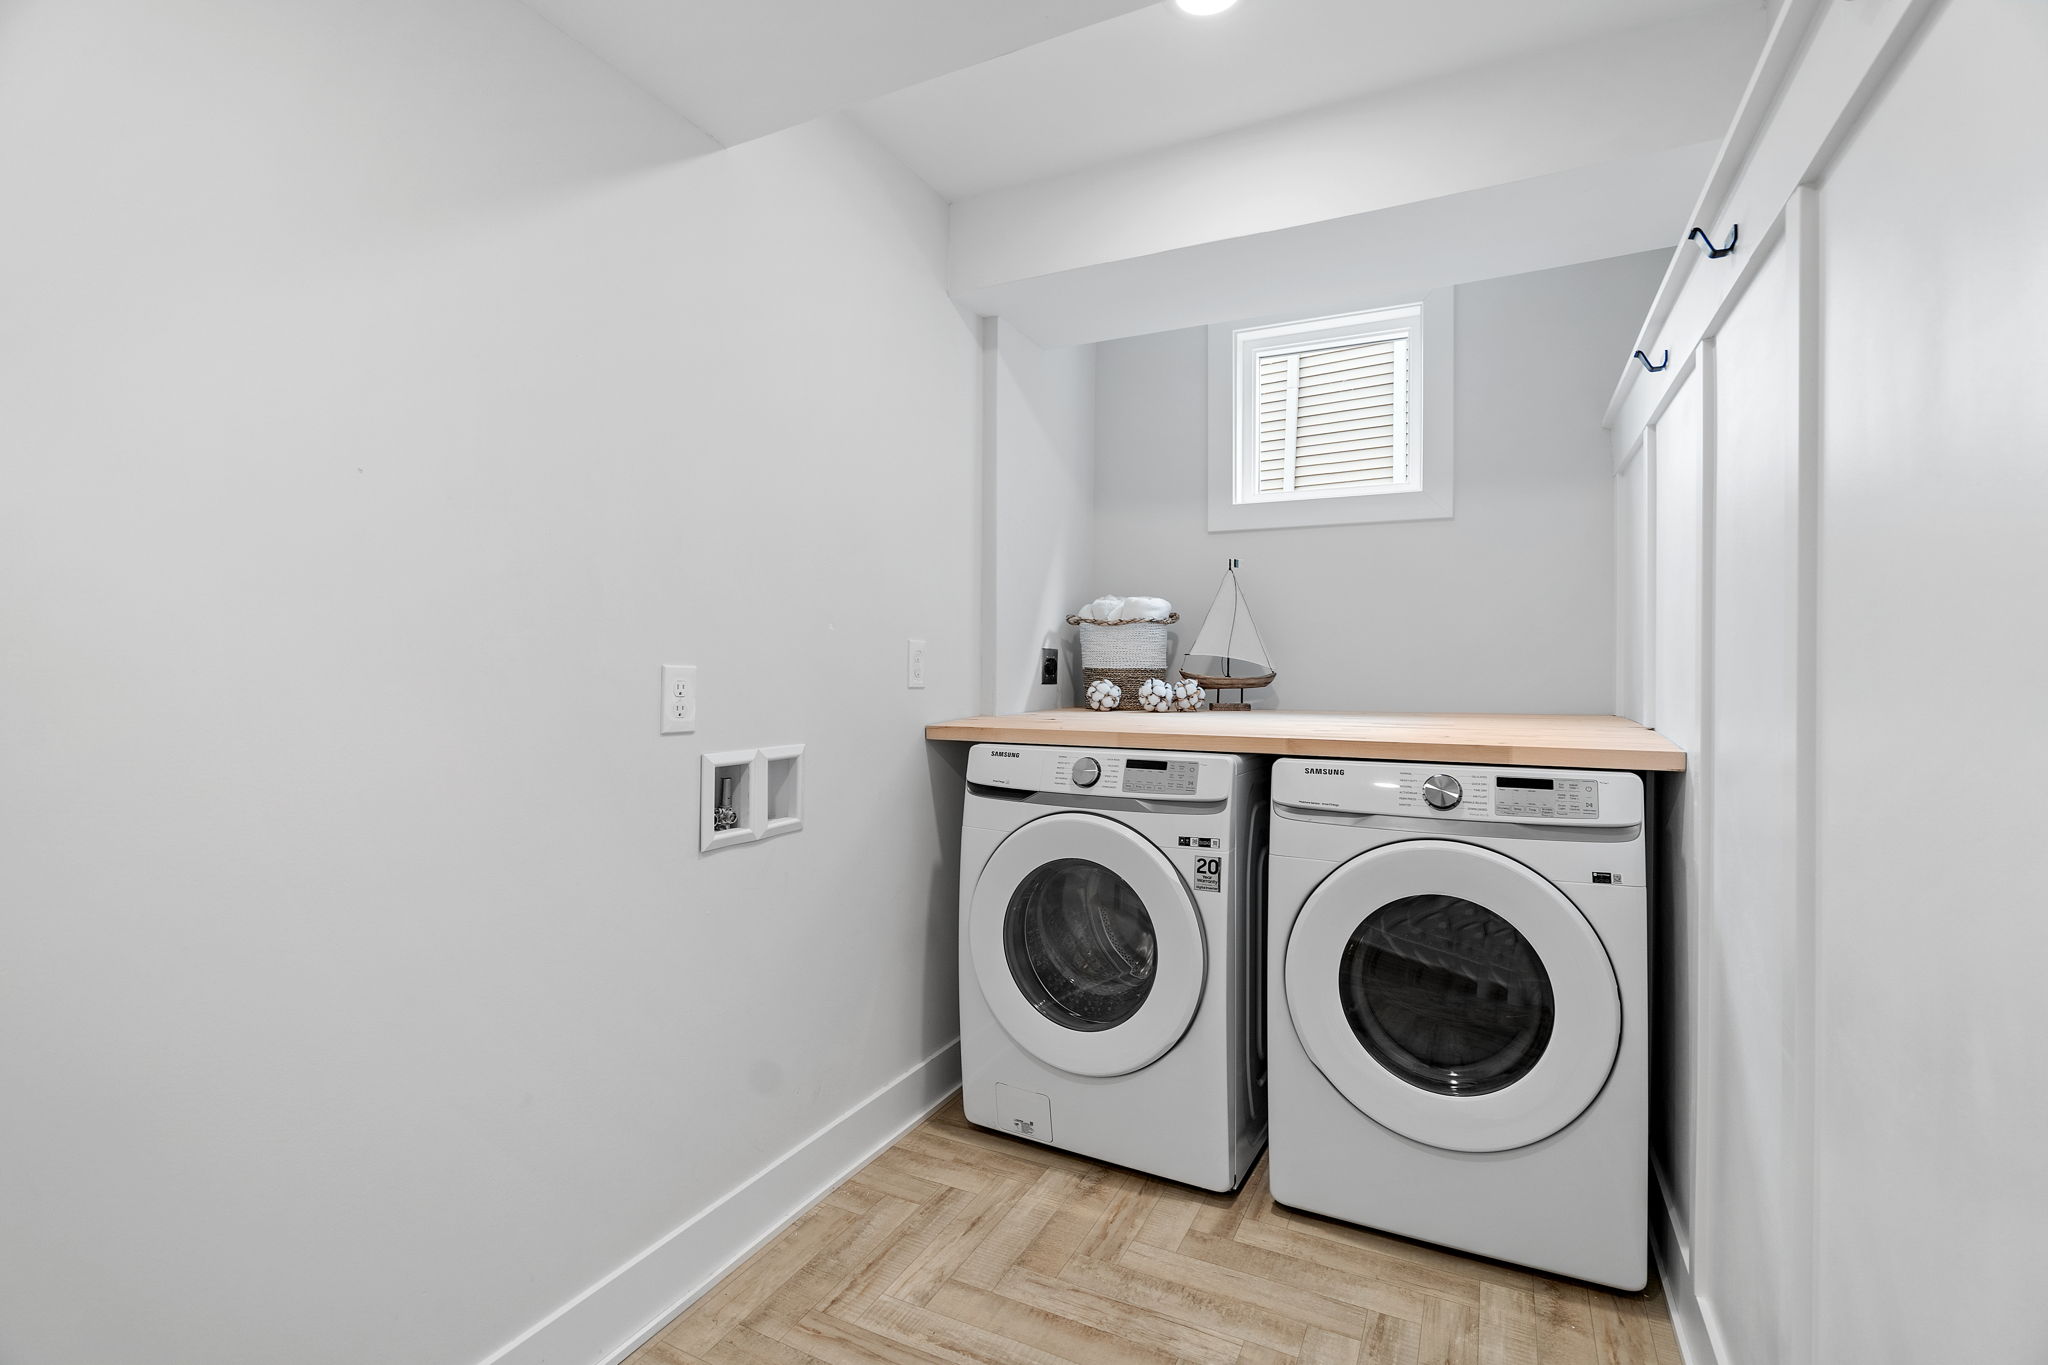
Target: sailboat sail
1228	633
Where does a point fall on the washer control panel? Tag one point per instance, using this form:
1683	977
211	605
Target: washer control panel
1144	773
1548	798
1442	790
1161	776
1530	796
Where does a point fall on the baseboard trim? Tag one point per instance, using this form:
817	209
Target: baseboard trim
614	1317
1689	1320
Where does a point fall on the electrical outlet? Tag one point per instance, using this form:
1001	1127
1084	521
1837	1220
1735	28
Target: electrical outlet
914	675
678	699
1049	668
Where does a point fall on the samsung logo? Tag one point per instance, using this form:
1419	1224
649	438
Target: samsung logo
1324	772
1004	753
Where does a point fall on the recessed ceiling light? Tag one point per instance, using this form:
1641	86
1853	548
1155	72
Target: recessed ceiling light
1203	6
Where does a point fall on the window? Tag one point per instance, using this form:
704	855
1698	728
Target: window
1322	415
1331	420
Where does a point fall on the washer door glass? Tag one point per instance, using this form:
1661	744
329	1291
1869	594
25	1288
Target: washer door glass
1447	995
1085	944
1080	944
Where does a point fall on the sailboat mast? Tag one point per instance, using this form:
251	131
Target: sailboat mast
1232	571
1235	598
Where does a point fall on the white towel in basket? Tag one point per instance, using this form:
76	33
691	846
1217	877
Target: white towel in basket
1127	609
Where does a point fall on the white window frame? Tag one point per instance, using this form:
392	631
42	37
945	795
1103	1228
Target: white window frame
1235	504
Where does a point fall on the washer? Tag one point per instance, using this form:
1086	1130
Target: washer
1111	955
1460	1001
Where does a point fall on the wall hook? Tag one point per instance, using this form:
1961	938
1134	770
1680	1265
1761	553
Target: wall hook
1665	364
1715	253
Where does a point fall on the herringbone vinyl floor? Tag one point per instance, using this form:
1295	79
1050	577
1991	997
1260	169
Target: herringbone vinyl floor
958	1245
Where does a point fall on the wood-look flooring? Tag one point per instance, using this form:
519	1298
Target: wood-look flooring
962	1246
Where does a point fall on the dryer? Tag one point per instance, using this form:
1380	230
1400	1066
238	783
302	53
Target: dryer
1110	955
1460	1002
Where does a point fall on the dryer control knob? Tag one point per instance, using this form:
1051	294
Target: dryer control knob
1442	791
1087	772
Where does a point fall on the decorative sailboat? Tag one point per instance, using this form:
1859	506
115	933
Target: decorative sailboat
1229	637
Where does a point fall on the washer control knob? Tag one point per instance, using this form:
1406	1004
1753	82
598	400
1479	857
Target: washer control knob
1087	772
1442	791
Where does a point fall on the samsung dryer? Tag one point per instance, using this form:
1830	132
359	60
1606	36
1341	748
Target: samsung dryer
1110	955
1460	1006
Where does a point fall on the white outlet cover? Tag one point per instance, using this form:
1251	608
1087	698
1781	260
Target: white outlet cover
678	699
914	665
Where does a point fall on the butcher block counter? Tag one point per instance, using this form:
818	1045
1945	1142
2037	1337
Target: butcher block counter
1527	741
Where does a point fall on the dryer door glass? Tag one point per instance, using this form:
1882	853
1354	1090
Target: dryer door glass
1080	944
1447	995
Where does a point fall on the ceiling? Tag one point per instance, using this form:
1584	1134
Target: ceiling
1118	164
1153	77
740	69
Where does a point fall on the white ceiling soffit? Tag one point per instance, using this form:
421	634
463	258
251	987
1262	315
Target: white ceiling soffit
1368	260
1619	97
740	69
1156	77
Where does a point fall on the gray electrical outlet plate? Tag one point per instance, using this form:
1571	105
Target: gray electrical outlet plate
1048	668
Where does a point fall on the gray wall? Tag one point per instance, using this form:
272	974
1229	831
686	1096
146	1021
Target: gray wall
1041	411
384	395
1508	606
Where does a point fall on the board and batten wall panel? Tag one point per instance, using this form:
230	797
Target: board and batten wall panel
1852	1076
1677	526
1633	583
1932	672
1751	1265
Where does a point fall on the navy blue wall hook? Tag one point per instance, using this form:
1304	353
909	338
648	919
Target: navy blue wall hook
1715	253
1665	364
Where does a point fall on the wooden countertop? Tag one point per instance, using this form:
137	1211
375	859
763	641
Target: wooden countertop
1531	741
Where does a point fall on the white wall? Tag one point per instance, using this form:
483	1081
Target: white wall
1931	1194
381	401
1505	607
1041	516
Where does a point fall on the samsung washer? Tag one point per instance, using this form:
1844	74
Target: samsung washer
1110	955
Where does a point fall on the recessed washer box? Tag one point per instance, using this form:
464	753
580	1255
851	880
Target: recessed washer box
762	788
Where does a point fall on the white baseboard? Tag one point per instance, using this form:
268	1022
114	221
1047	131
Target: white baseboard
610	1320
1689	1318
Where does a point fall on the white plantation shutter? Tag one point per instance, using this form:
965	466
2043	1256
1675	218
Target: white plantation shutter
1332	418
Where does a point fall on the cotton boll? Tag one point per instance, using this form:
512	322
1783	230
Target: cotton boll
1104	695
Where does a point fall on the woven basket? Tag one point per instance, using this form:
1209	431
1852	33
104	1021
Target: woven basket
1125	652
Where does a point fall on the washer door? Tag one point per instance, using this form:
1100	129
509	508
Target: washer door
1087	945
1453	995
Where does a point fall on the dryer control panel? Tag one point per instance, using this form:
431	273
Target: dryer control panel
1149	774
1450	791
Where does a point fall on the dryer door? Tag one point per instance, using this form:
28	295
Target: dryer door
1087	945
1453	995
